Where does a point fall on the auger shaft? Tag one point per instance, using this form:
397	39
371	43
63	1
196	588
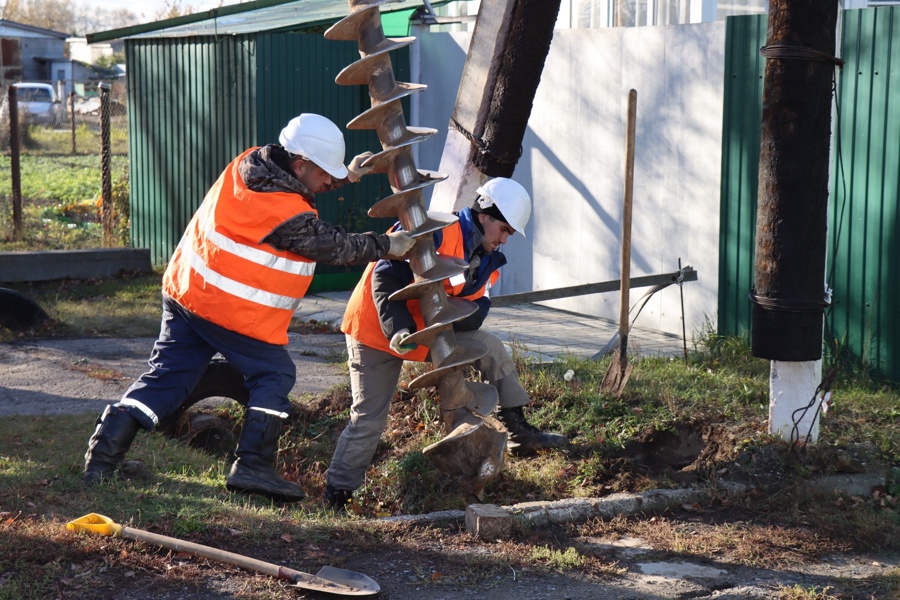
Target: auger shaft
475	444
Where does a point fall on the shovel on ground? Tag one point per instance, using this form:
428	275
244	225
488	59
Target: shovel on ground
329	579
620	369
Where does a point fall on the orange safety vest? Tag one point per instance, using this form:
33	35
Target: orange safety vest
223	273
361	320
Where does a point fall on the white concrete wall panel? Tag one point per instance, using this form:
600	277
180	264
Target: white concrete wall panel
573	163
442	58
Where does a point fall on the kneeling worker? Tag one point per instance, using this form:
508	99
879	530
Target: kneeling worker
375	328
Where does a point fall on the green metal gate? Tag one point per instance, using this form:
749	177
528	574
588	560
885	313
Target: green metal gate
863	255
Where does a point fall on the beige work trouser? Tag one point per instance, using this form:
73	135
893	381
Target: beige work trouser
373	379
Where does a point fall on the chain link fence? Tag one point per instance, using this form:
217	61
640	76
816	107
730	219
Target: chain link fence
63	166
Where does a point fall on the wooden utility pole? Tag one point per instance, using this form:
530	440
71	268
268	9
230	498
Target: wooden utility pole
499	81
788	299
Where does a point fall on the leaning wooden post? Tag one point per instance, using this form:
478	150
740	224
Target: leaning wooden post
496	93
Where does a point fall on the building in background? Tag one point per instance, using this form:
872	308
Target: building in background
590	14
37	49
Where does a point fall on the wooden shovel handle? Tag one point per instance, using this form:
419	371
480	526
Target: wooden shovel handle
231	558
625	267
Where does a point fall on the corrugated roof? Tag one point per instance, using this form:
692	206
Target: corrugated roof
6	23
250	17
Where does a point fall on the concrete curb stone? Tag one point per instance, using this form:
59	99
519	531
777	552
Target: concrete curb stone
571	509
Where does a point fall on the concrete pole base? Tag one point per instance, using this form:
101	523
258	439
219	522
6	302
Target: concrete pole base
793	413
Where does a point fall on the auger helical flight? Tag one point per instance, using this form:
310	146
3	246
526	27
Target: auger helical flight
474	446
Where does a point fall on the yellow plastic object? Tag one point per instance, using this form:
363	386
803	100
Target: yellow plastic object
95	523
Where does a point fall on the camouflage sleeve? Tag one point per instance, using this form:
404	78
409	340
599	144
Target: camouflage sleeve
319	240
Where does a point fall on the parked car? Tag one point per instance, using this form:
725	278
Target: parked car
37	102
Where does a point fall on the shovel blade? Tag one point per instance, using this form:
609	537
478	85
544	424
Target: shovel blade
353	583
616	376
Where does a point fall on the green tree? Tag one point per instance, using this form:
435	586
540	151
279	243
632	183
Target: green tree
108	62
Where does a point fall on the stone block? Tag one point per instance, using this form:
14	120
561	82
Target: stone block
488	522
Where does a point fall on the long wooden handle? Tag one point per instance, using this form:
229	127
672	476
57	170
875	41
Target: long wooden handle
625	267
237	560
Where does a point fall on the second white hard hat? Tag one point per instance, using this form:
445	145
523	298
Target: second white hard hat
511	200
318	139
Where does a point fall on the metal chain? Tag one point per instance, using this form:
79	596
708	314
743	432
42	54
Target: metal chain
506	159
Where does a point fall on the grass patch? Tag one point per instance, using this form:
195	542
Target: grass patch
126	306
61	202
565	560
799	592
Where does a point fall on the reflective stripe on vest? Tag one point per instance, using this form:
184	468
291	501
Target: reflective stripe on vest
222	273
361	320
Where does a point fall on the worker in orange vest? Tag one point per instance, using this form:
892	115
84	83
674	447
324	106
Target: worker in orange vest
376	328
232	286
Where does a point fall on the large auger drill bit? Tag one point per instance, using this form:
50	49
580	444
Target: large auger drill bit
474	446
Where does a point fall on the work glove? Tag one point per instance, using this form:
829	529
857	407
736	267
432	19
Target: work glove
401	244
397	344
355	170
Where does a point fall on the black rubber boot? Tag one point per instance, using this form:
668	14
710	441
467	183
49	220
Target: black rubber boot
524	437
107	447
337	499
254	470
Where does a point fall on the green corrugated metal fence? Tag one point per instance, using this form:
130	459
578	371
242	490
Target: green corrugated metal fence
863	250
191	105
866	191
198	102
741	123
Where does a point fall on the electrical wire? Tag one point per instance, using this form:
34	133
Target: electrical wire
611	344
824	387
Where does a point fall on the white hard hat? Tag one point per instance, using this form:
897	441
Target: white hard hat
317	139
511	200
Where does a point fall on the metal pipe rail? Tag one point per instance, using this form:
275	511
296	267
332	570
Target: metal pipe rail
686	274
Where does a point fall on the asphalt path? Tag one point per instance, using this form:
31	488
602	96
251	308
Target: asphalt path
75	376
